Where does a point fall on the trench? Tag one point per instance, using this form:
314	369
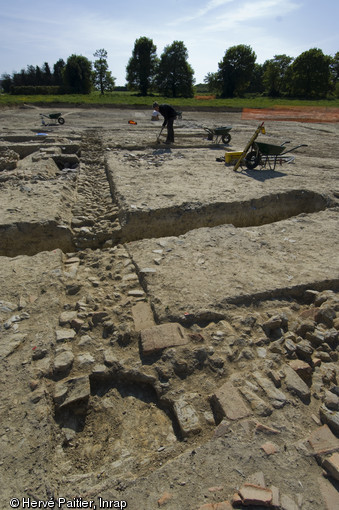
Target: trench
174	221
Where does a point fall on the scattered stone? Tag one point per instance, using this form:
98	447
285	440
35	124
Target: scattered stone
329	494
276	396
63	361
331	418
286	503
269	448
164	499
9	345
62	335
162	336
257	404
260	427
67	317
303	369
143	316
296	385
325	315
323	441
73	391
331	400
331	465
187	418
85	359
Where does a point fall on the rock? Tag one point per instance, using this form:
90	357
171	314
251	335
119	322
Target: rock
305	327
227	402
286	503
276	396
85	359
67	317
331	418
164	498
63	361
63	335
326	315
255	495
316	337
163	336
270	448
304	350
303	369
9	345
296	385
323	441
71	392
257	404
142	316
329	494
331	465
187	418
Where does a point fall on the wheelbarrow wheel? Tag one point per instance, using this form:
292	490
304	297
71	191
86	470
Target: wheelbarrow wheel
226	138
252	160
61	120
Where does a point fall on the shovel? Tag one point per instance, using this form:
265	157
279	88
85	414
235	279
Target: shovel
158	137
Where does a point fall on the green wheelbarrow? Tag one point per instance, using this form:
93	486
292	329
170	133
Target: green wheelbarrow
267	155
219	134
56	117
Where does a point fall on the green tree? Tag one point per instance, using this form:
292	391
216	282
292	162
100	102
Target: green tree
310	75
276	74
141	66
78	74
58	70
256	84
46	75
174	76
6	83
102	77
213	82
236	70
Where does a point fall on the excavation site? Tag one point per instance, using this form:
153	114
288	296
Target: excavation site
169	326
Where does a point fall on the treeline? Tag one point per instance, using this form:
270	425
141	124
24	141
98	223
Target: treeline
311	75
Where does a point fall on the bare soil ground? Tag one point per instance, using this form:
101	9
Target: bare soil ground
169	328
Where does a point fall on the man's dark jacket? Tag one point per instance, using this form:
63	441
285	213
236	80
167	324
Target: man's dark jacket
167	112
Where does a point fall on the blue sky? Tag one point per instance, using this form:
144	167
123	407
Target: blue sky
35	32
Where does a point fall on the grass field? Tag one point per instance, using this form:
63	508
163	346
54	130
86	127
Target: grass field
126	99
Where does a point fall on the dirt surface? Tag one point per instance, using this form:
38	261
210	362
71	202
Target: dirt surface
168	327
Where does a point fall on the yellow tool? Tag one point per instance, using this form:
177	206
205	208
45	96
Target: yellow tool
260	129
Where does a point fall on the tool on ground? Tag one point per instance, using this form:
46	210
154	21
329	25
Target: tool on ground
52	116
158	137
261	154
220	133
132	122
259	129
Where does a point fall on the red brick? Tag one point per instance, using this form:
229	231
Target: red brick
270	448
164	498
303	369
255	495
323	441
